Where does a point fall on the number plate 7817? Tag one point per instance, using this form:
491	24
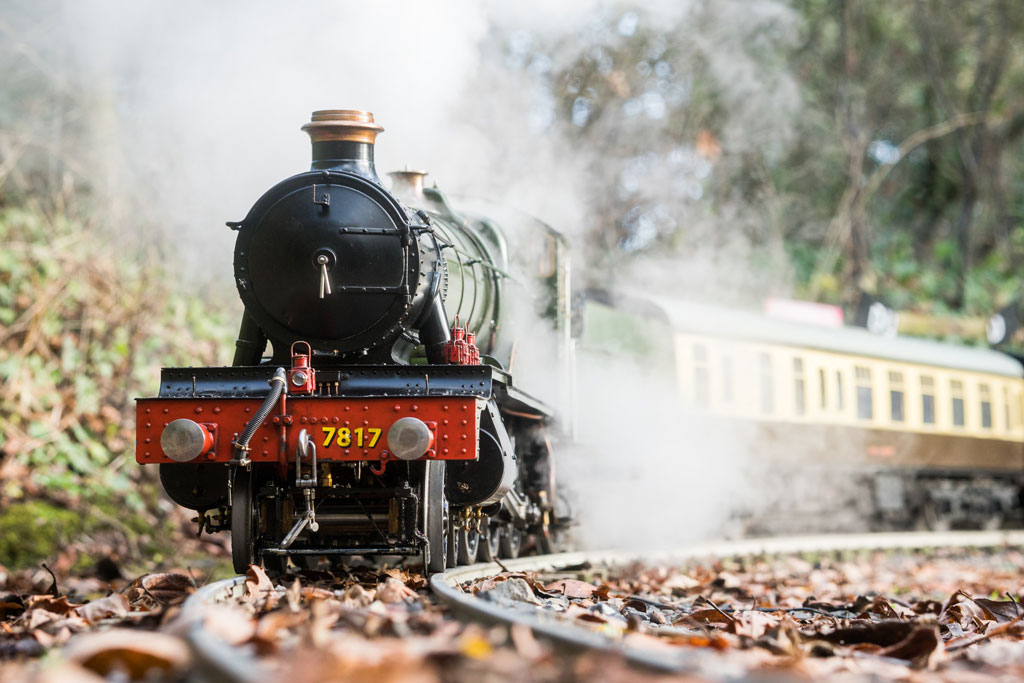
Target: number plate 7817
343	437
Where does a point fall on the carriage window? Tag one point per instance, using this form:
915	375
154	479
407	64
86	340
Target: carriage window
727	379
767	386
798	386
927	400
865	410
824	390
1006	408
956	389
896	395
839	390
701	384
986	406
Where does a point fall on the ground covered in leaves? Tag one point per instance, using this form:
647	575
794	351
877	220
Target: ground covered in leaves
881	616
943	616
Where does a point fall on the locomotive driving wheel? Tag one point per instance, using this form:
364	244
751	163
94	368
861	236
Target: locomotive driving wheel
245	524
243	520
441	551
511	540
488	550
469	545
547	543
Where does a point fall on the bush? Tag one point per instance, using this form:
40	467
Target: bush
84	329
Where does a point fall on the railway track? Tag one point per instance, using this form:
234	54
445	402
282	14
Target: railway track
218	661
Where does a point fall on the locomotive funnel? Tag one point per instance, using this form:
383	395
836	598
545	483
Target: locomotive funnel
343	141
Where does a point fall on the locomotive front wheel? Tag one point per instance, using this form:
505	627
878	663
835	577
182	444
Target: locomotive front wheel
511	540
243	521
469	545
438	521
491	537
453	539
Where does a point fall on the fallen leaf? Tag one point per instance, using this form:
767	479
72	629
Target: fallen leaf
230	623
294	595
883	633
414	581
11	606
67	672
356	596
137	654
168	588
112	606
38	617
754	623
710	616
259	589
923	648
1001	611
474	645
679	584
271	625
571	588
393	590
525	643
315	594
50	604
257	583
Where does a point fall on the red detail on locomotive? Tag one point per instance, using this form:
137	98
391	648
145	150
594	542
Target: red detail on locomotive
345	429
461	349
301	377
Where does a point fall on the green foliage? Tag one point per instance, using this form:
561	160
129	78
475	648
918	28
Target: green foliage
86	329
33	532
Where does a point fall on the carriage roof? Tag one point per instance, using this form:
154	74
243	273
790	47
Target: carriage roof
729	323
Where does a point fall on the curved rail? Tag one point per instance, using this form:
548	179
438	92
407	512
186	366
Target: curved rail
217	660
214	659
547	625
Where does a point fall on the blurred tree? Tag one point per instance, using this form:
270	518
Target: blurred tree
680	114
877	144
967	71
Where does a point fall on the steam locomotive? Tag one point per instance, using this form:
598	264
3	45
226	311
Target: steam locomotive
370	408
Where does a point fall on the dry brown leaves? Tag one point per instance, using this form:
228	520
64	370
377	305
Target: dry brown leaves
365	625
880	615
110	634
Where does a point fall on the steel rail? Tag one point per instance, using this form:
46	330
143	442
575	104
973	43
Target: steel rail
549	626
215	660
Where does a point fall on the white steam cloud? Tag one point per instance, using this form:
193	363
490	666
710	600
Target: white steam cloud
196	108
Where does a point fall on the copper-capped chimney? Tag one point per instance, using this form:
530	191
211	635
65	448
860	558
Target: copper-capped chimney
343	141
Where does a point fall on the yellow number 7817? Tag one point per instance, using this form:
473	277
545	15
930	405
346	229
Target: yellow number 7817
343	436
